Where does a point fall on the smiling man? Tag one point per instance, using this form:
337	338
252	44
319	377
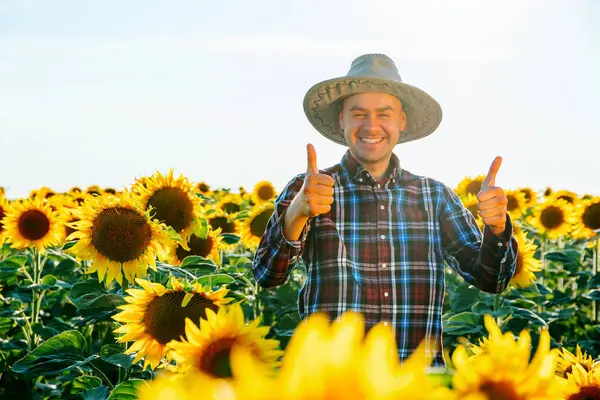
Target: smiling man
375	237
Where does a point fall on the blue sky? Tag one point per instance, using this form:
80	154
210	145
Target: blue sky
103	92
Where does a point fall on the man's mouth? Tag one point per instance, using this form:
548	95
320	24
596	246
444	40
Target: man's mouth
370	140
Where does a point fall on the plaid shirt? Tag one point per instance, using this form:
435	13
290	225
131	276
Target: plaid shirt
380	251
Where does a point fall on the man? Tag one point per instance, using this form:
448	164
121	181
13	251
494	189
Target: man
374	236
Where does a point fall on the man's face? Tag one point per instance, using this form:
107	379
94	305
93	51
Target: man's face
372	123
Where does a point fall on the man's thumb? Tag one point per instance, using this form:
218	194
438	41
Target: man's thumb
490	179
311	158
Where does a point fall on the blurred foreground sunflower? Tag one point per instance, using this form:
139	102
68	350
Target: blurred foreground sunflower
469	185
253	227
32	223
119	238
586	218
263	191
504	370
192	386
526	264
552	219
171	201
156	315
209	247
207	347
567	360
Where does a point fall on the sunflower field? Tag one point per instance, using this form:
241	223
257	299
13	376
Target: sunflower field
148	292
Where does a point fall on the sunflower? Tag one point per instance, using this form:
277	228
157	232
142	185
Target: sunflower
218	219
192	386
170	201
94	190
470	203
503	371
32	223
231	204
263	191
3	211
253	227
119	237
156	315
2	191
566	195
586	218
517	203
530	196
527	264
336	361
567	360
548	192
581	384
43	193
210	248
207	348
470	185
552	219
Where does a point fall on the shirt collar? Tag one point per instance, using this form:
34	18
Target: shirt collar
357	171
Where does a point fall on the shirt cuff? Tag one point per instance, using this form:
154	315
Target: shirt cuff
294	246
498	245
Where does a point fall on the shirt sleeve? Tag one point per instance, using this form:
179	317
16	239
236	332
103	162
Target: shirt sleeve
276	256
483	259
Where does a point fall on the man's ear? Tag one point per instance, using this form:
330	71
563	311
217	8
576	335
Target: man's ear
341	119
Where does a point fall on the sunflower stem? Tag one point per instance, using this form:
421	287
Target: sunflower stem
123	372
35	261
596	259
103	376
497	307
543	249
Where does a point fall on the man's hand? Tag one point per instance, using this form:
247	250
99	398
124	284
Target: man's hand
316	195
492	202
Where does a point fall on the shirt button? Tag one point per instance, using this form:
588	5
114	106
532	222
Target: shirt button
378	186
386	294
499	244
360	180
382	207
385	323
383	265
383	236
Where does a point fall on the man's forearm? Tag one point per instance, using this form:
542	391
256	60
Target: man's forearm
293	222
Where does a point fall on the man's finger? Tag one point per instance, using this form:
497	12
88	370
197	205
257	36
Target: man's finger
311	158
490	179
489	194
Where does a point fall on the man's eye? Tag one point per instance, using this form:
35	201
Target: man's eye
384	115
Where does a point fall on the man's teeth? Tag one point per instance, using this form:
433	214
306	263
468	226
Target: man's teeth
366	140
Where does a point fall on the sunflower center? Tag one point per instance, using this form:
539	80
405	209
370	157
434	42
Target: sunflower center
499	391
513	203
547	192
552	217
203	187
198	247
216	360
586	393
173	207
223	223
591	216
528	195
110	191
2	215
34	224
230	208
473	187
121	234
259	223
265	192
567	198
164	318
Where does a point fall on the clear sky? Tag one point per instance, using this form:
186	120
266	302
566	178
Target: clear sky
101	92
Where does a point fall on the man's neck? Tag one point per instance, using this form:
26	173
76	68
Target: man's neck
378	170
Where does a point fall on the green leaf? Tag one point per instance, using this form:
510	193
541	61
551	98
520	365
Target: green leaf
127	390
57	354
90	294
49	280
464	297
84	383
529	315
201	228
593	295
113	354
6	324
594	282
566	257
463	324
18	260
99	393
230	238
215	280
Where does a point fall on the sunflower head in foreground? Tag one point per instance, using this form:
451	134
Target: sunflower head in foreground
469	185
264	191
191	386
254	225
581	384
336	361
207	347
526	264
209	247
119	237
503	370
32	223
567	361
155	315
586	218
171	201
553	218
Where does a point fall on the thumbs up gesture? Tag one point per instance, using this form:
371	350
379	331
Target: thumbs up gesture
492	202
316	195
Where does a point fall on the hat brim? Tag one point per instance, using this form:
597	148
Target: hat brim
322	106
